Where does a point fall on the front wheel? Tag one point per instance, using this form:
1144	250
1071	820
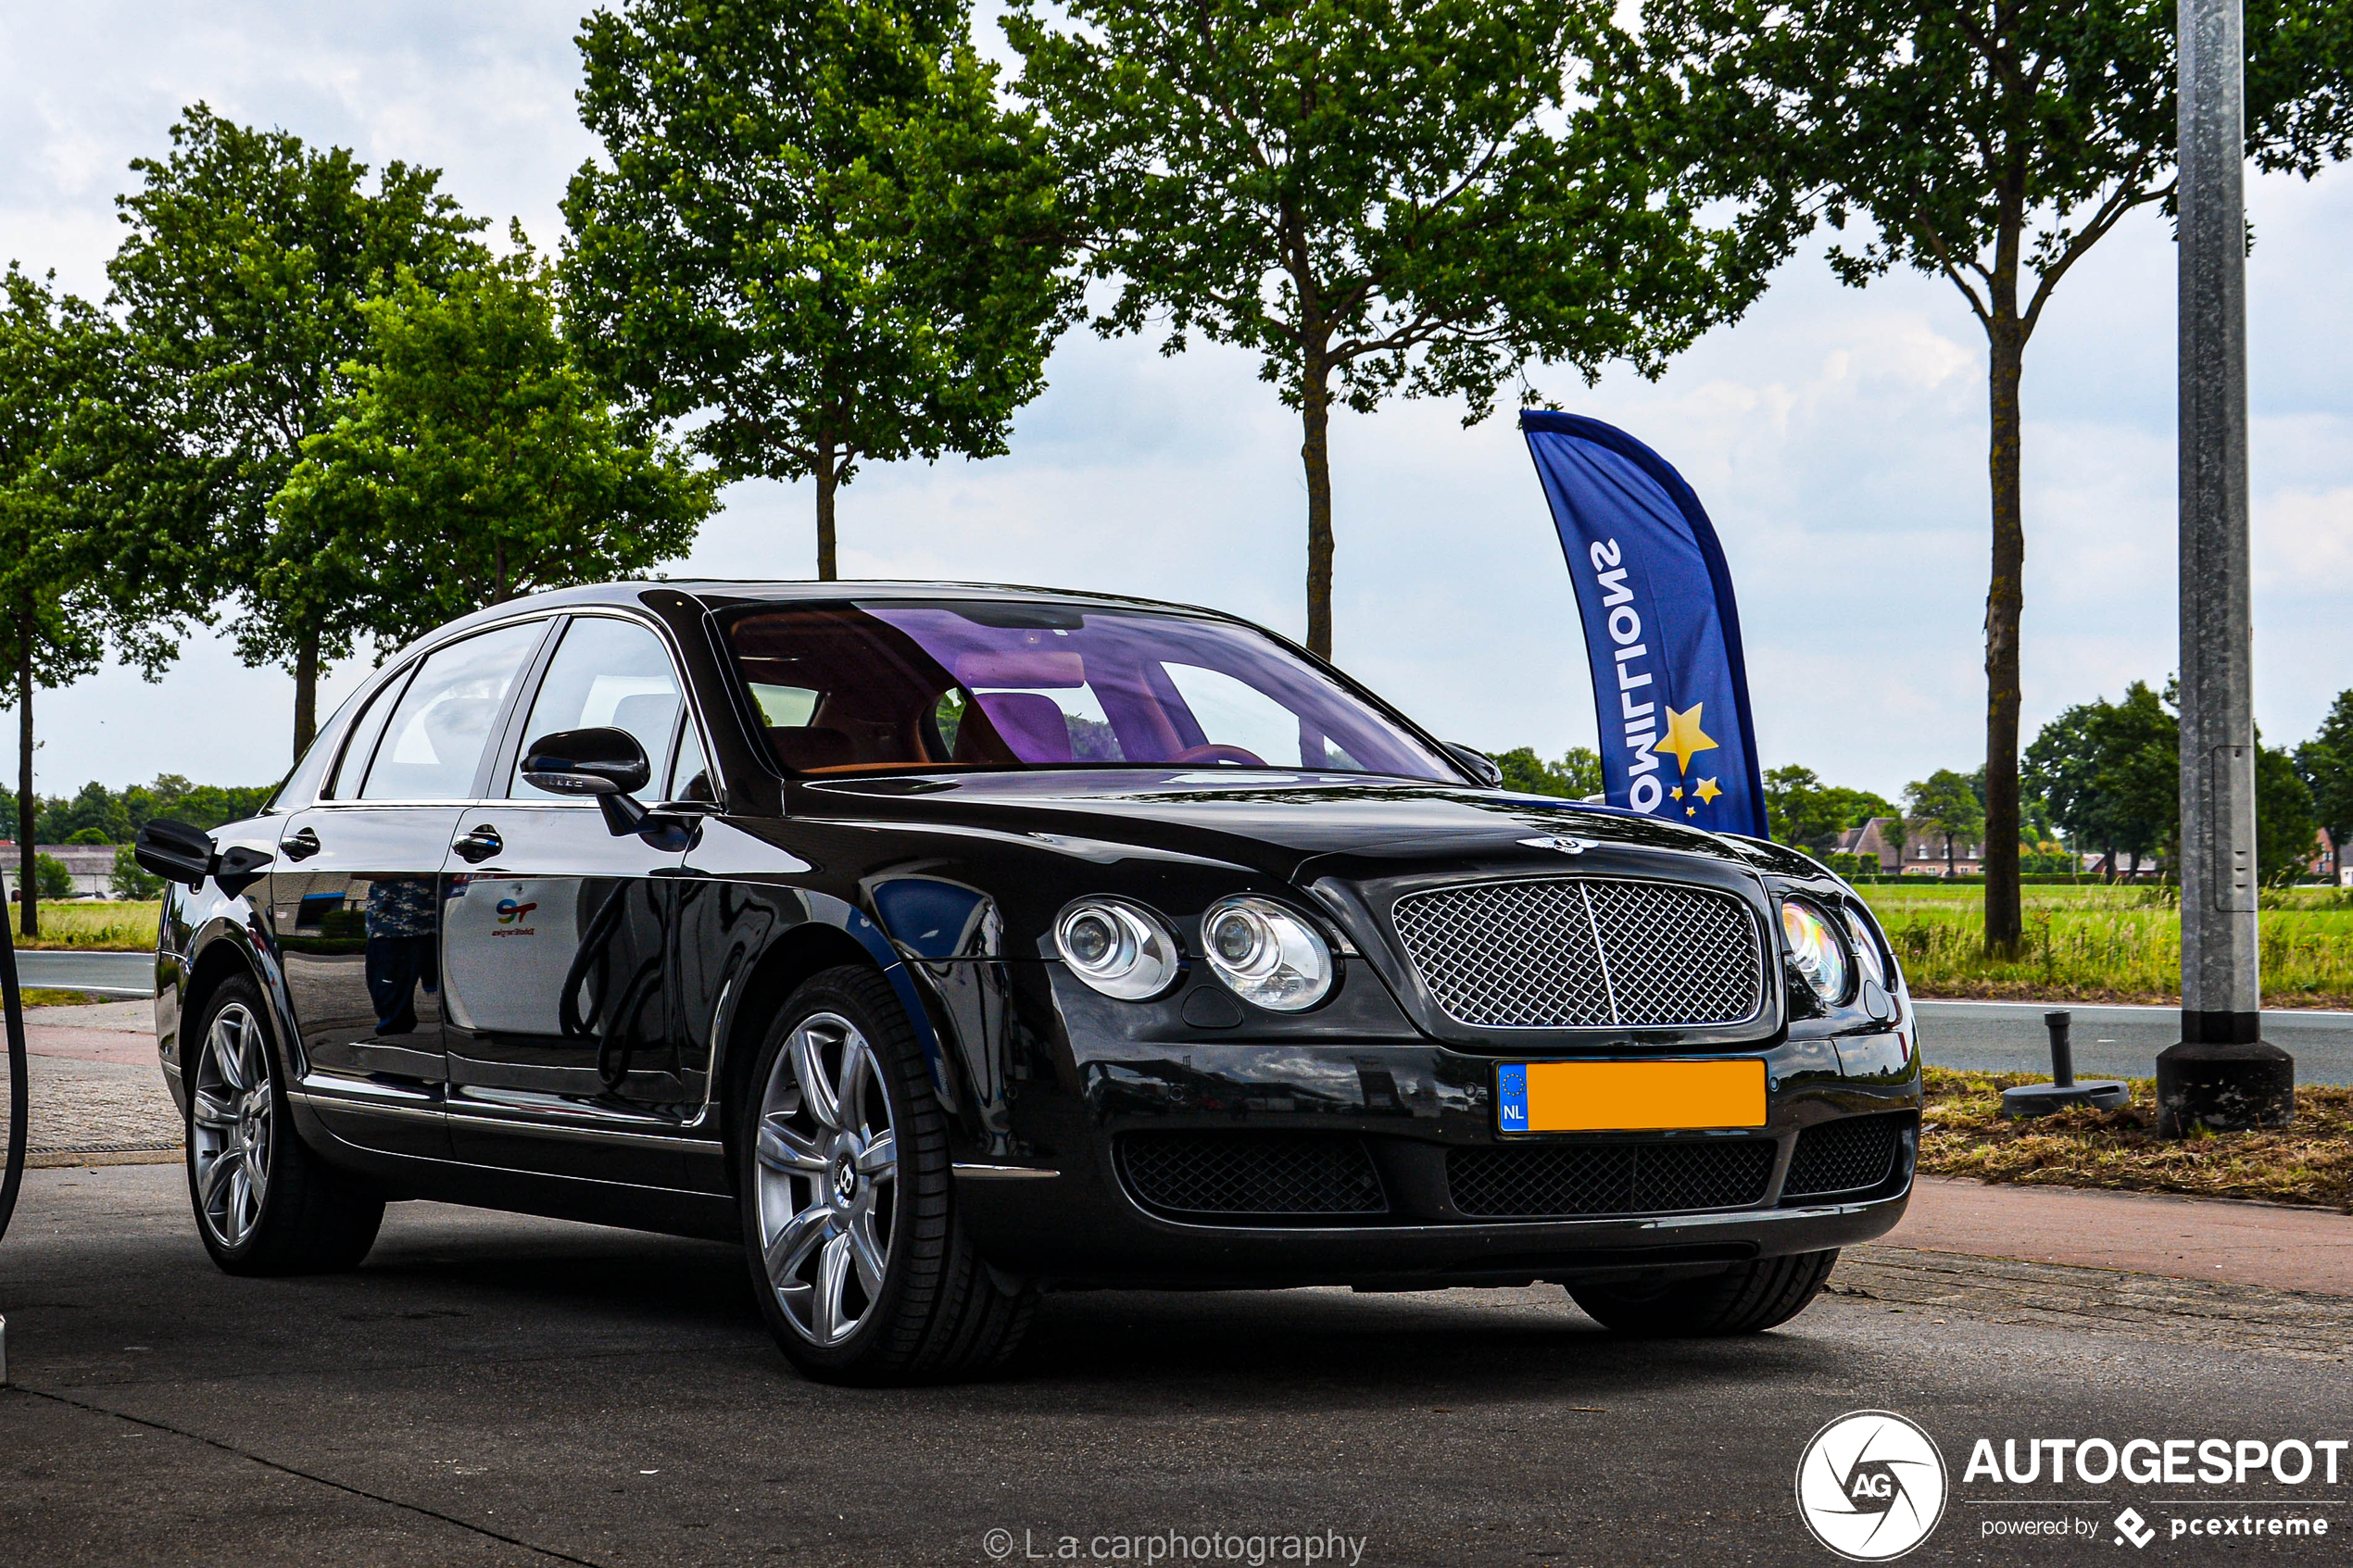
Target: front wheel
265	1204
1746	1298
862	1271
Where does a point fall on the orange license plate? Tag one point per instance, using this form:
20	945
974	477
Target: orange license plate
1627	1097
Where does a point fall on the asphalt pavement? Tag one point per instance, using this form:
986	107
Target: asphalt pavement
2114	1042
99	975
495	1390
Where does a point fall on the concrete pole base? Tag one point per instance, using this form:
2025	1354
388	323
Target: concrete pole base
2042	1100
2224	1087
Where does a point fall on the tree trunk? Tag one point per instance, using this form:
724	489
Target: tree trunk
306	675
2004	598
28	807
1949	858
1314	451
828	481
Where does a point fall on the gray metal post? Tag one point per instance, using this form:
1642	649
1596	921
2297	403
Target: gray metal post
2222	1076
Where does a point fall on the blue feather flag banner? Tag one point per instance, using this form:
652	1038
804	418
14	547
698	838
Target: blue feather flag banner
1661	629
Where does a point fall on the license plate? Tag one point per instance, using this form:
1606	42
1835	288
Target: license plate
1629	1097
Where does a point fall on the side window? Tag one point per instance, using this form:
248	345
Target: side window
302	787
345	786
690	779
433	744
606	674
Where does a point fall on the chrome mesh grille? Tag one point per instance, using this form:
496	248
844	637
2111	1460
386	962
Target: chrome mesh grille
1584	952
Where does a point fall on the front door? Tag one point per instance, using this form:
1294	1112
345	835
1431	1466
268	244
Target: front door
557	941
356	893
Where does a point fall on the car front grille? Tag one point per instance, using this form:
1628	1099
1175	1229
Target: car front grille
1568	1181
1584	952
1845	1155
1273	1174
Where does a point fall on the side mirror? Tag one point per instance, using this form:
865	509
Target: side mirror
1480	766
602	762
175	852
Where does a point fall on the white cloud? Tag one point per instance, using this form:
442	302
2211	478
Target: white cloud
1837	438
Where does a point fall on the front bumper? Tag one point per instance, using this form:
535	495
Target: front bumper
1408	1107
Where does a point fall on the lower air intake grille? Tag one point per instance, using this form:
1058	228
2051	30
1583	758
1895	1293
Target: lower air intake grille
1252	1173
1563	1181
1847	1156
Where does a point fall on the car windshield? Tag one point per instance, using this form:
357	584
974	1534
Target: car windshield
1003	684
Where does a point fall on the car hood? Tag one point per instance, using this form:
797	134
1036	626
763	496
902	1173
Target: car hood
1296	827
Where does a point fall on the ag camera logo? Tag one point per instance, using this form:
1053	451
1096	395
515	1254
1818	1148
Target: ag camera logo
1870	1486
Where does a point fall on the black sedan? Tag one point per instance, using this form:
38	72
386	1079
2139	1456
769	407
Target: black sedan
946	944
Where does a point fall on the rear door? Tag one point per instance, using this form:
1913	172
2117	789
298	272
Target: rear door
558	938
356	895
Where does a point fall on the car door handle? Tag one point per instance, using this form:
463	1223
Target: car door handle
479	845
300	846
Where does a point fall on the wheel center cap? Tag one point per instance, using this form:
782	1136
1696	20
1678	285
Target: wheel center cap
845	1179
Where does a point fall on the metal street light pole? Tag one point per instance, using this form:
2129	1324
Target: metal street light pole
2222	1075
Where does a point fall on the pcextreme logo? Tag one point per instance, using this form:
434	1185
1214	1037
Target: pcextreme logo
1870	1486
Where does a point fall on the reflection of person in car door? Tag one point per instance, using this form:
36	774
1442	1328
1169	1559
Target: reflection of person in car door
400	949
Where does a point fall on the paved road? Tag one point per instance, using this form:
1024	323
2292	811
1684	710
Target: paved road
102	975
2115	1042
491	1389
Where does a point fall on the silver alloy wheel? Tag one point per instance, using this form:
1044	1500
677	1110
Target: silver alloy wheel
229	1138
827	1171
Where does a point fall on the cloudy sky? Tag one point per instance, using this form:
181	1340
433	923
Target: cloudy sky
1837	436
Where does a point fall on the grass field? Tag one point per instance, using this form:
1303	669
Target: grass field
2096	943
108	928
1963	1133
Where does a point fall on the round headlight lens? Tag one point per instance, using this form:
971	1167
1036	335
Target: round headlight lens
1117	949
1818	949
1266	954
1867	947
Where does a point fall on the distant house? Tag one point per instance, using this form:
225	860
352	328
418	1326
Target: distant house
2323	863
1876	838
1925	857
92	865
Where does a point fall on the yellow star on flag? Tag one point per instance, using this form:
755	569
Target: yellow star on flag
1684	736
1706	790
1677	792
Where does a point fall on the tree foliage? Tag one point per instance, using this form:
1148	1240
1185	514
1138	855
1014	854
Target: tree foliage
2325	763
1576	776
1991	143
819	231
1801	809
2110	773
470	460
247	258
1377	195
1942	806
2286	829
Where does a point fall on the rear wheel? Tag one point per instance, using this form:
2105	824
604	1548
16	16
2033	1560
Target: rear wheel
264	1203
1747	1298
862	1271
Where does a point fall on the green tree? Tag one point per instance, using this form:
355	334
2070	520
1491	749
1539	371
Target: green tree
1991	143
2110	774
1381	195
819	232
1942	806
129	880
1803	810
51	879
1576	776
2325	762
247	258
2286	829
72	579
472	461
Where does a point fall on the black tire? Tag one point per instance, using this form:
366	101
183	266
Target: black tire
939	1313
307	1217
1746	1298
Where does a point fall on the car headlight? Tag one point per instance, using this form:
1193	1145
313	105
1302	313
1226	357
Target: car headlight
1266	954
1867	947
1119	949
1815	944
